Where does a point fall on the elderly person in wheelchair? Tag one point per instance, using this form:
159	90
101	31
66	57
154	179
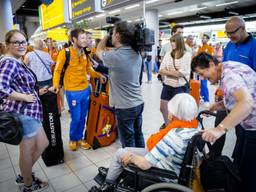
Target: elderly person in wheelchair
168	152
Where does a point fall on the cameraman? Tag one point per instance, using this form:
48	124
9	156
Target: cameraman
124	63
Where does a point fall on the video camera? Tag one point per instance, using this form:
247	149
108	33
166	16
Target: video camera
144	37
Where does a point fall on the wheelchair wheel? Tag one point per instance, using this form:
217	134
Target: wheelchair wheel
166	187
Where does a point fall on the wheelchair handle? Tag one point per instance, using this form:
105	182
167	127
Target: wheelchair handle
205	112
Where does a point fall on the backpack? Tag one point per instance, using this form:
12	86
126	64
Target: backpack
219	174
65	66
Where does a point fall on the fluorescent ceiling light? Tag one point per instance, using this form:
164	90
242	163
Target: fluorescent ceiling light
229	3
175	13
115	11
132	6
160	15
205	17
101	15
198	9
139	19
151	1
129	21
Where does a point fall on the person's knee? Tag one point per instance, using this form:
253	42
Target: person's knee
120	153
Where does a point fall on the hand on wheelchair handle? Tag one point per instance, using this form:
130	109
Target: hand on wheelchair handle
212	134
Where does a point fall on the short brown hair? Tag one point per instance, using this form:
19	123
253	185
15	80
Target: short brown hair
75	33
10	34
126	32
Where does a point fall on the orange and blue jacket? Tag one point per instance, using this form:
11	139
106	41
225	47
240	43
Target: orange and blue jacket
75	78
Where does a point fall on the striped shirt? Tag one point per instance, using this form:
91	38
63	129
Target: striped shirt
15	76
169	152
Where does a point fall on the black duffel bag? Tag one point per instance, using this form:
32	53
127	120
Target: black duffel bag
10	128
219	174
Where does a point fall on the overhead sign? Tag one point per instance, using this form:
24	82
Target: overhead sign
84	8
54	14
109	4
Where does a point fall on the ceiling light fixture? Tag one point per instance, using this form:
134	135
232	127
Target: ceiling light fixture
197	9
160	15
233	13
115	11
101	15
151	1
132	6
228	3
175	13
205	17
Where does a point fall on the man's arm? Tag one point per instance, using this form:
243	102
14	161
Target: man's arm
101	47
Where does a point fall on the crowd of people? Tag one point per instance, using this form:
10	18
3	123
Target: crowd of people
27	73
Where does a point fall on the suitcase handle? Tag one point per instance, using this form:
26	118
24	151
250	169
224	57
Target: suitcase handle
98	88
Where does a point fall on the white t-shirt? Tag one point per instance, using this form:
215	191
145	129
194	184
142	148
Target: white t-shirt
183	65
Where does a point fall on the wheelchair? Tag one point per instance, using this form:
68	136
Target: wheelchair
134	179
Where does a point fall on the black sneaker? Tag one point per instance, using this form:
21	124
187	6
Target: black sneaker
36	186
103	171
19	179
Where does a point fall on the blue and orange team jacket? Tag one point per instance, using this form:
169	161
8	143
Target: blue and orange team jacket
75	78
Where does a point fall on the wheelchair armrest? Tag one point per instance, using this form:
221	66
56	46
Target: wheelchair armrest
152	172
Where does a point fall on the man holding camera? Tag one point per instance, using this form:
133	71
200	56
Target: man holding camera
124	64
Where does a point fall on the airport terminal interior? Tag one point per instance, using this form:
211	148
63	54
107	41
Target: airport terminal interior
202	22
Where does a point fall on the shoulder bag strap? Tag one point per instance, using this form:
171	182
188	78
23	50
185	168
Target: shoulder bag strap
183	76
49	71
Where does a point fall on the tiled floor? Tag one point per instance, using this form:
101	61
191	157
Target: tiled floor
80	167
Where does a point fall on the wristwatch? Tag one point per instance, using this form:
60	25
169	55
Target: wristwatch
223	128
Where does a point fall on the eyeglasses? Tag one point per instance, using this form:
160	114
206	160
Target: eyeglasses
19	43
232	32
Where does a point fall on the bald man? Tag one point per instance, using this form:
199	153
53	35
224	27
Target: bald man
242	46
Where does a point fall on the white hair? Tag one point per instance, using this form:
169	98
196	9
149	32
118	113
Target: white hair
183	106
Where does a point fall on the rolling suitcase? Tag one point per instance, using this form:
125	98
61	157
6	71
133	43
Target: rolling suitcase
54	153
101	122
195	90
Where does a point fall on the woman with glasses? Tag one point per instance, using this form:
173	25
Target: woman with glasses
19	95
238	85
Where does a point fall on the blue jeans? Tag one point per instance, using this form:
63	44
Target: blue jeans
78	102
30	126
148	65
129	123
204	92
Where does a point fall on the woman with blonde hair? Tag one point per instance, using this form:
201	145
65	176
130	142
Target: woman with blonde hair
19	95
175	68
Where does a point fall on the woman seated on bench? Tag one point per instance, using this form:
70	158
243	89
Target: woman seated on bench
168	153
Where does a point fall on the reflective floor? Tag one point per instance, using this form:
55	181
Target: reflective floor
76	174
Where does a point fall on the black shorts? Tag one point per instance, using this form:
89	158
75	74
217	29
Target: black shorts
168	92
